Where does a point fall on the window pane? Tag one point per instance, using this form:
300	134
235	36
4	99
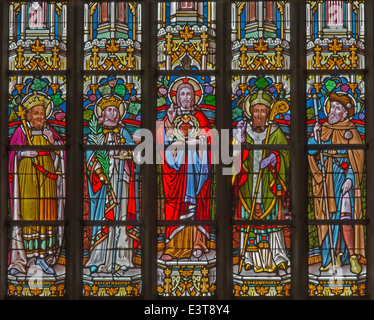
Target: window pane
37	35
322	90
103	94
335	33
112	35
266	267
260	35
261	185
26	92
112	261
336	185
186	35
36	261
194	271
345	275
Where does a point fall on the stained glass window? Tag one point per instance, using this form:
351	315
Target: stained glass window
112	255
37	157
85	218
336	133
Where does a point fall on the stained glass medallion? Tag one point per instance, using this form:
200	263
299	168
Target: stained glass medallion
37	35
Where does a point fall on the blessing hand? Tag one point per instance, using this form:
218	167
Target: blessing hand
49	134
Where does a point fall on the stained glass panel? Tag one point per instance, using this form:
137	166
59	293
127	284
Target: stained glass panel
36	261
335	32
112	263
46	92
336	185
186	35
345	274
193	273
103	94
186	182
112	35
323	90
37	35
260	35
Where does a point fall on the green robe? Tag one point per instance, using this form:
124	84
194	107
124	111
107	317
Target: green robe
274	179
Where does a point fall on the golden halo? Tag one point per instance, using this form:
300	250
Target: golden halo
198	89
110	100
38	99
260	99
326	107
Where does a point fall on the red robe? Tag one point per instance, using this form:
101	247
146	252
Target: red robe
175	181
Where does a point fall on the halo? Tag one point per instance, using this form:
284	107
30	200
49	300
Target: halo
198	89
326	105
247	105
48	106
122	107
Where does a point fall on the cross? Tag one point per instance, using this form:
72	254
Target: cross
55	58
335	47
95	57
204	44
130	57
37	48
243	56
353	57
261	47
186	34
317	56
279	57
168	44
20	58
112	47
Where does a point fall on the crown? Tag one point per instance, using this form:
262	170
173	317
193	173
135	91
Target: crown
36	100
112	101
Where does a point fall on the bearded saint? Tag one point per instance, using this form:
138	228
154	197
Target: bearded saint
186	179
265	247
343	178
36	190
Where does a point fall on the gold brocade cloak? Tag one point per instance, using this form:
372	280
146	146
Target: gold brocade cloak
38	199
